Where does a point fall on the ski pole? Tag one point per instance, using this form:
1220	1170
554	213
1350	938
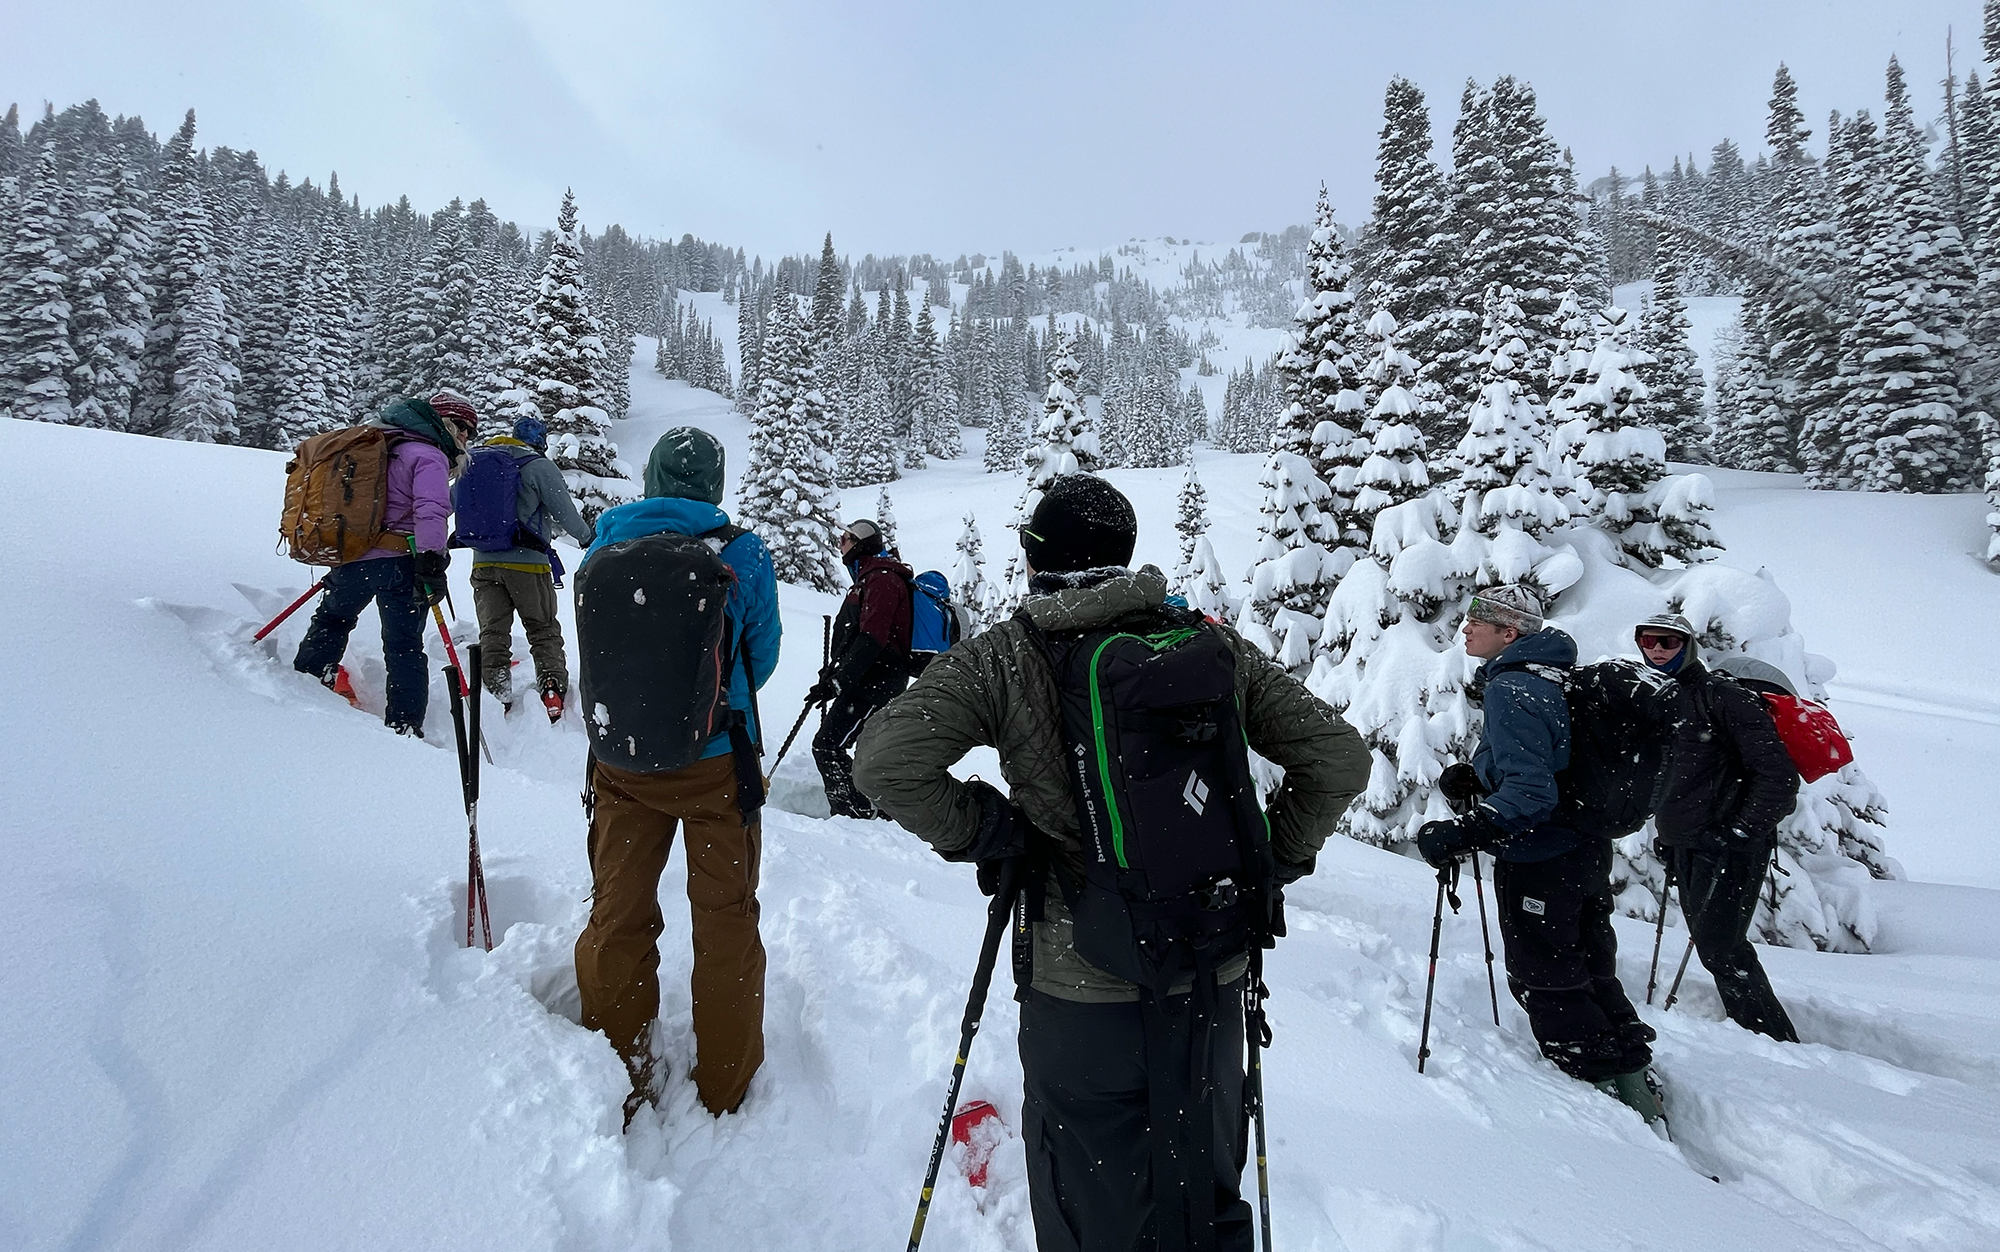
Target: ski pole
1257	1032
1447	886
1714	880
468	781
290	609
997	913
825	647
1660	930
1486	936
461	687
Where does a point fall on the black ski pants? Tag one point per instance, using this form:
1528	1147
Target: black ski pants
1095	1093
1719	891
1562	962
391	582
839	727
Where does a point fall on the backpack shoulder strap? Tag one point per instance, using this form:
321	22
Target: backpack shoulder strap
726	534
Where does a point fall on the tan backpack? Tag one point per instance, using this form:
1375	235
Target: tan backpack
336	495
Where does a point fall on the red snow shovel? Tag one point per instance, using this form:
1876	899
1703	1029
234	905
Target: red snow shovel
975	1126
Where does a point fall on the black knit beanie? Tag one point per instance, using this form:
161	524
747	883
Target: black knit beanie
1081	523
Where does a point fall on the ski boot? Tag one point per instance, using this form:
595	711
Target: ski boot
552	699
1641	1092
337	682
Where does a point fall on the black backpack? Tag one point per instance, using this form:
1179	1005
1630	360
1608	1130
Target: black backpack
654	649
1178	863
1621	718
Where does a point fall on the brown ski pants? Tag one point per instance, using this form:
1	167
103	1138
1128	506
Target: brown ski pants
618	957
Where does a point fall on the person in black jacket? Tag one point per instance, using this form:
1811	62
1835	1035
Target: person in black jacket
1726	784
870	661
1551	882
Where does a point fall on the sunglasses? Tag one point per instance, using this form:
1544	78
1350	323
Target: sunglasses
1662	643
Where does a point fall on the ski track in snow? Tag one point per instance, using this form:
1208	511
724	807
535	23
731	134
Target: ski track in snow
254	1023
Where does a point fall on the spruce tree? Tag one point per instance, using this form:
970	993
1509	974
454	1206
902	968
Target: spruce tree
561	365
1668	368
201	406
113	306
1904	423
885	517
1623	453
452	284
37	359
1063	441
805	519
1323	417
968	576
1190	522
1394	469
1413	232
1505	476
936	411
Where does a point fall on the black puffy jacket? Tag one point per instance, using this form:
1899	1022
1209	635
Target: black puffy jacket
1726	768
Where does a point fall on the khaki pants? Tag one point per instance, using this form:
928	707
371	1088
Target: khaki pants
498	594
617	956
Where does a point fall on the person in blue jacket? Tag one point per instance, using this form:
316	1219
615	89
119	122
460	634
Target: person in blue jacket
633	817
1552	884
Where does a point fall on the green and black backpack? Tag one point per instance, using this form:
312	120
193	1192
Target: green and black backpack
1178	864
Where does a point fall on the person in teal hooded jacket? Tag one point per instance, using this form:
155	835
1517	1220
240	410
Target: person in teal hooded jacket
633	817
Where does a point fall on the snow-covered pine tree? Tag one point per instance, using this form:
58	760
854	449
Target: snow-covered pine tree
1414	239
37	358
1194	416
1322	378
316	358
1064	442
1904	423
562	365
789	494
451	282
1006	433
113	303
1190	521
1669	369
1791	342
885	517
1853	160
1621	455
968	576
867	447
934	396
201	402
1289	582
1505	473
1394	469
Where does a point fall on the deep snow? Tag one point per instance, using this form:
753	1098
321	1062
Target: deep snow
240	1017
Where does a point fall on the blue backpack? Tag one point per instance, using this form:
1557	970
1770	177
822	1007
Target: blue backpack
486	499
933	620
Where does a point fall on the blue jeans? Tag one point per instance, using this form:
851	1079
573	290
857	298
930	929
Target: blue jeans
391	582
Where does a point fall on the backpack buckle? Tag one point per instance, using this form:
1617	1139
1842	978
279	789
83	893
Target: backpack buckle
1217	894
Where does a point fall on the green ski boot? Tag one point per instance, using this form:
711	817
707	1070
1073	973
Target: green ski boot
1640	1091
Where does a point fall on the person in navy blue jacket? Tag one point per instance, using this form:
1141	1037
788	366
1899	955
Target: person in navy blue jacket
1552	884
633	817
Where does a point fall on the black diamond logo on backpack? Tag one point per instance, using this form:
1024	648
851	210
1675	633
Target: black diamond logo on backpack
1195	793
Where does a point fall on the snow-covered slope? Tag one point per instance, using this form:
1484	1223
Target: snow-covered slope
239	1015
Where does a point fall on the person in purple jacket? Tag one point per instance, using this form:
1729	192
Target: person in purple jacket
402	585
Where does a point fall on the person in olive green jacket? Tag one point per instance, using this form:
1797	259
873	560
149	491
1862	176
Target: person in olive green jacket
1085	1114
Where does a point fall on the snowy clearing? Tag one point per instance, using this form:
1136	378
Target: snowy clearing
241	1017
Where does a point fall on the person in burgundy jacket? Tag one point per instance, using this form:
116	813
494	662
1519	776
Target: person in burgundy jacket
869	664
402	585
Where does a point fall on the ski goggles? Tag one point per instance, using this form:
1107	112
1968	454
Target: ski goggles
1663	643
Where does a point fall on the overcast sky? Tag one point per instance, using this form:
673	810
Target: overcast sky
940	127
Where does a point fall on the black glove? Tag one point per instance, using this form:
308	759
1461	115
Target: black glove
1289	872
821	691
431	567
1441	843
1460	786
1002	835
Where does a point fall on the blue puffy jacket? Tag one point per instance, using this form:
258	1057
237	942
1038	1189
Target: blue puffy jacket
1525	744
753	601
